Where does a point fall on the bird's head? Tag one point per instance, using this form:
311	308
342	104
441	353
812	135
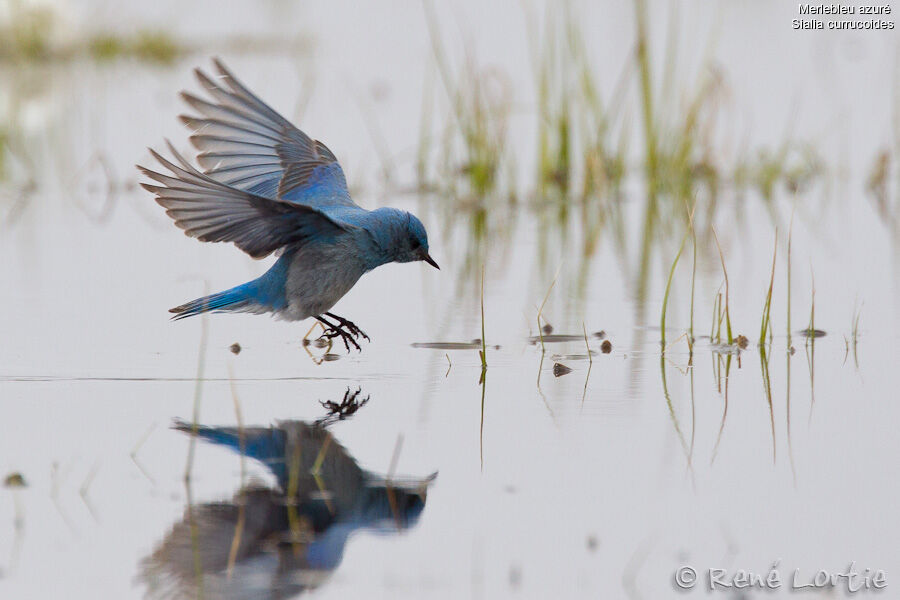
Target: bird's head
416	243
398	236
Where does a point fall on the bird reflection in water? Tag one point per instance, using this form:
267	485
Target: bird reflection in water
275	542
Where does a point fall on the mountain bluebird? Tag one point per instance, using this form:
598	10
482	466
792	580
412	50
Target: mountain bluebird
268	187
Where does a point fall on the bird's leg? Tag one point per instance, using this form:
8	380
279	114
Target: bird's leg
308	333
333	330
349	325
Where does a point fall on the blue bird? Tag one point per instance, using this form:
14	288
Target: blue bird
268	187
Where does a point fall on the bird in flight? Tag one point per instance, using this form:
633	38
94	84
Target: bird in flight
267	187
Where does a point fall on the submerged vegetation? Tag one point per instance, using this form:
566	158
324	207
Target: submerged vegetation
662	320
765	327
594	146
883	180
150	46
37	34
480	103
33	34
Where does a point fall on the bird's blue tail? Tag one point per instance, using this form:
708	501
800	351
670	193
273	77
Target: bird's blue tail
265	444
267	293
237	299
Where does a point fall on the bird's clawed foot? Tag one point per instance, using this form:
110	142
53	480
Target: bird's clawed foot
344	329
350	325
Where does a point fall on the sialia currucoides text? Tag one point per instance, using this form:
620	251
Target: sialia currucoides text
268	187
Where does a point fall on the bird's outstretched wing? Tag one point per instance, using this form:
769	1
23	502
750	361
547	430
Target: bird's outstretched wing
213	211
246	144
313	446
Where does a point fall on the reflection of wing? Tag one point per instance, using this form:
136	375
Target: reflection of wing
303	457
213	211
262	564
244	143
215	523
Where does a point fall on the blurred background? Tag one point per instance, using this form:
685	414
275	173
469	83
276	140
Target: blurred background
670	228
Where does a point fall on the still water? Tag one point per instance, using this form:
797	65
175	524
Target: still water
445	480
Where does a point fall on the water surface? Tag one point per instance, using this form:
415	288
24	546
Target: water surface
599	483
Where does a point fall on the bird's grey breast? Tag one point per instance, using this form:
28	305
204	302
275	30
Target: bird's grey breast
321	273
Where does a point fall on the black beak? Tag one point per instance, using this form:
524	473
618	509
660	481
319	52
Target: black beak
430	261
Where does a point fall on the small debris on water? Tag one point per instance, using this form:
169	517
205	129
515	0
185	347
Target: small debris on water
236	348
606	347
592	543
792	350
331	356
15	480
742	342
555	338
473	345
560	369
320	343
600	335
812	333
547	329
